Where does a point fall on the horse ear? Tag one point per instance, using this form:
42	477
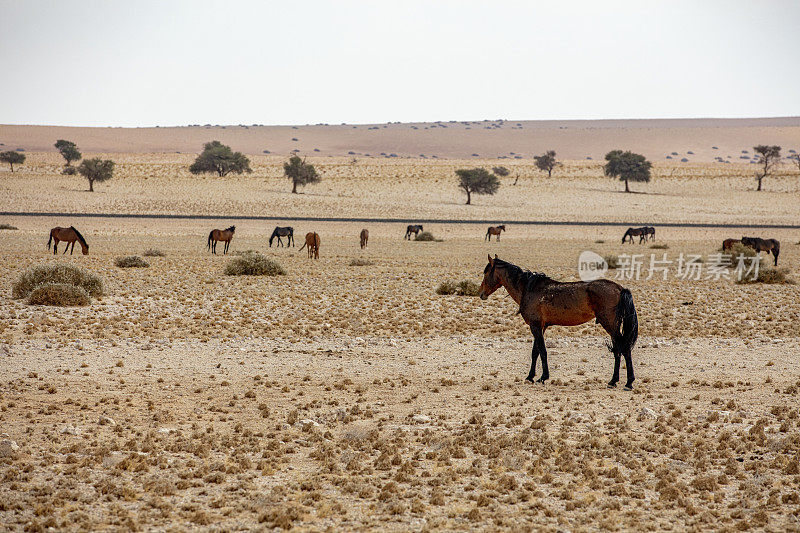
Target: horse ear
490	258
495	257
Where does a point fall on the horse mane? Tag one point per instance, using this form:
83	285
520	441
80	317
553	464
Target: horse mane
523	278
80	237
232	228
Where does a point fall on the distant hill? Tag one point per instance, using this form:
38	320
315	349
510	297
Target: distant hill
572	139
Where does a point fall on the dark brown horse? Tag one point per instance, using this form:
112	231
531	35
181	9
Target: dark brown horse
68	235
772	246
224	235
412	228
364	238
727	244
544	302
636	232
312	241
279	232
494	230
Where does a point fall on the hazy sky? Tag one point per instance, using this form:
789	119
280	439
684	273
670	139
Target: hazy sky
145	63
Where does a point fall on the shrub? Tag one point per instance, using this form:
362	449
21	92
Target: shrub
57	273
69	171
659	247
612	261
736	250
61	294
426	236
7	226
253	264
769	276
360	262
463	288
154	252
131	261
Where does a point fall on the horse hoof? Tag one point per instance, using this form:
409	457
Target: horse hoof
611	386
529	380
627	388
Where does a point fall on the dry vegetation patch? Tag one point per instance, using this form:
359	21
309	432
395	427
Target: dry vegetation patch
461	288
59	294
254	264
7	226
427	236
57	273
131	261
154	252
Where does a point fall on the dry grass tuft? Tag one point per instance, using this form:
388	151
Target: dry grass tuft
737	250
427	236
154	252
253	264
659	246
60	294
57	273
770	276
462	288
131	261
7	226
361	262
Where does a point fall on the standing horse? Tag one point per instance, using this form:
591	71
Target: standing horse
279	232
225	235
494	230
544	302
364	238
772	246
412	228
635	232
727	244
312	241
68	235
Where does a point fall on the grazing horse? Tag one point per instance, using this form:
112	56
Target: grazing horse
544	302
412	228
279	232
68	235
225	235
364	238
494	230
636	232
772	246
312	241
727	244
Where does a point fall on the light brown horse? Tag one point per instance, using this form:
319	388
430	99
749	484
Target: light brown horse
68	235
312	241
224	235
771	246
364	238
727	244
544	302
494	230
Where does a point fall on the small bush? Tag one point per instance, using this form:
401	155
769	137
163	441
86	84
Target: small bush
154	252
360	262
599	241
769	276
61	294
7	226
612	261
69	171
659	247
736	250
463	288
131	261
253	264
426	236
57	273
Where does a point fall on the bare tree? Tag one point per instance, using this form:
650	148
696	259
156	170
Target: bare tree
769	157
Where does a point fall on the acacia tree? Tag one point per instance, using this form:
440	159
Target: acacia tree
546	162
477	181
12	158
96	169
769	157
627	166
300	172
219	158
69	151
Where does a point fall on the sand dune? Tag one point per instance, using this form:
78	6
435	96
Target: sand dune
572	139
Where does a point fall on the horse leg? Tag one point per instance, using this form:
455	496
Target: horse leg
539	335
72	250
534	357
615	377
629	368
65	248
55	247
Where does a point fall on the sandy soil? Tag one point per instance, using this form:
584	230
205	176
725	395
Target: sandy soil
693	139
354	397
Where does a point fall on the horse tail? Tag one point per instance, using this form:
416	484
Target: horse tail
50	240
301	248
209	239
626	325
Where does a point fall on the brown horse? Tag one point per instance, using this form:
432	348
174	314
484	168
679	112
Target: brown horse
544	302
494	230
68	235
364	238
224	235
412	228
727	244
772	246
312	241
637	232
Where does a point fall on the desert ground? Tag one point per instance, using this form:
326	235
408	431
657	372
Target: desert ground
353	397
